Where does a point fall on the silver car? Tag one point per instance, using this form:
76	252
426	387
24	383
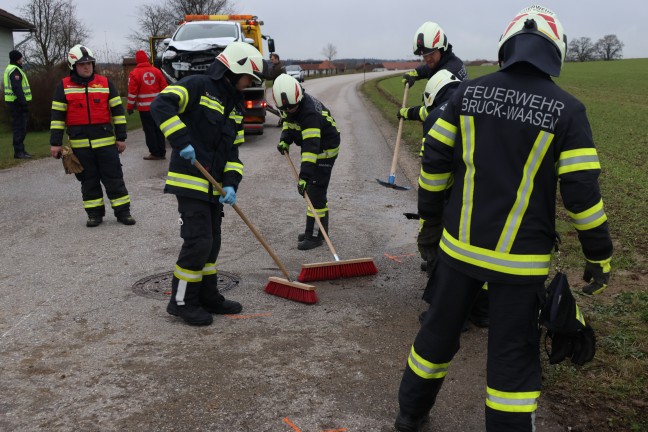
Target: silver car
296	72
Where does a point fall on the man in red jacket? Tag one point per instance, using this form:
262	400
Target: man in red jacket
144	84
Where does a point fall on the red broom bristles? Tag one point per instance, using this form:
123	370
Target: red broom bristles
295	291
337	269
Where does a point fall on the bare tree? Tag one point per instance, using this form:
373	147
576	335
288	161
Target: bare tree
609	47
581	49
329	51
57	30
179	8
153	21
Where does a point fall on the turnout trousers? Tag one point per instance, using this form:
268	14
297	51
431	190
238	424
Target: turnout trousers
195	279
18	127
154	137
513	365
317	190
102	165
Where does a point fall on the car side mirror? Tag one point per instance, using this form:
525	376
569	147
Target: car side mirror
271	45
166	41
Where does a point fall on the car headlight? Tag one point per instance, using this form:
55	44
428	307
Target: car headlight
169	55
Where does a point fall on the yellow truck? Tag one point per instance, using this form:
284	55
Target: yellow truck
200	38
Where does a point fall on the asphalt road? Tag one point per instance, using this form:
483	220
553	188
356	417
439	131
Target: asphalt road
86	344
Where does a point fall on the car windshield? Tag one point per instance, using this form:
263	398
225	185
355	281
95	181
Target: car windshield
203	31
293	68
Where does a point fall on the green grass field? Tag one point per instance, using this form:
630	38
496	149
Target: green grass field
37	143
610	393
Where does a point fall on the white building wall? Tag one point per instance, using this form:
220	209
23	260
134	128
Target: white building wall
6	45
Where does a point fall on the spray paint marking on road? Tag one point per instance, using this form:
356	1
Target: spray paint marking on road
395	257
289	423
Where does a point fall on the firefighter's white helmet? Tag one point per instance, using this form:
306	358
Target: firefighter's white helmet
243	58
540	21
286	92
429	37
79	54
435	84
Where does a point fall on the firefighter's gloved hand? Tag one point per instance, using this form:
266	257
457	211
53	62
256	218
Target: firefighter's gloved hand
597	274
301	186
188	153
410	78
283	147
230	196
580	347
402	113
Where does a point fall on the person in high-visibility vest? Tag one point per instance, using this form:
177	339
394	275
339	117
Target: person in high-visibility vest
16	94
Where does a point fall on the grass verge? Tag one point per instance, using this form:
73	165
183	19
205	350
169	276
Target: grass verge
611	392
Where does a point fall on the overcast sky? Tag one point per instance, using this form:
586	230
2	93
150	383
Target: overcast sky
383	28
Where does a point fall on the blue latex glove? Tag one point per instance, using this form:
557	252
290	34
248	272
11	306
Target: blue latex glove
188	153
230	196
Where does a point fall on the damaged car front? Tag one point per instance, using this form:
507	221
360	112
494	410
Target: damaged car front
195	45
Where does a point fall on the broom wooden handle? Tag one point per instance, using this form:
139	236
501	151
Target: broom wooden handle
392	171
312	208
256	233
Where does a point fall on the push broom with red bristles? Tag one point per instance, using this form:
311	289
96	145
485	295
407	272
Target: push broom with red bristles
280	287
334	269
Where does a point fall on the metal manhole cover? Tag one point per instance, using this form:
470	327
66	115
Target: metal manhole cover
159	286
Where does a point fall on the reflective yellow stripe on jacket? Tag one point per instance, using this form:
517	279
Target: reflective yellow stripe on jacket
514	264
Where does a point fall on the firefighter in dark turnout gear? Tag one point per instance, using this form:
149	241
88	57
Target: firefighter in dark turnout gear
506	140
431	42
201	116
85	103
310	125
17	94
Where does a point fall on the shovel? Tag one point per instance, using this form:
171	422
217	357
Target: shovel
390	183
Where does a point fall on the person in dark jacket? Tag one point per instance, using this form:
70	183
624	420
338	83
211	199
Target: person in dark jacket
201	116
88	105
431	42
17	94
504	141
310	125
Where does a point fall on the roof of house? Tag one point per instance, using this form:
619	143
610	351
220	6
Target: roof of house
401	65
14	23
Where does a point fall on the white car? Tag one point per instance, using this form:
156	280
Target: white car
296	72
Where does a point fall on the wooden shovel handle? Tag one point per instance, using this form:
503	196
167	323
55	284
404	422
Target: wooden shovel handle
392	171
236	208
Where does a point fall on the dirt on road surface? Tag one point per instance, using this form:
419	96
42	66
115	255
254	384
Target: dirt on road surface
86	343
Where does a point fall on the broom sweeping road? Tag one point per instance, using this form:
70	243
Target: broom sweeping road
81	349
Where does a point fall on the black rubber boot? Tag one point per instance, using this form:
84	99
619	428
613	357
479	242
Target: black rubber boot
405	423
126	219
310	242
213	301
301	237
94	221
191	311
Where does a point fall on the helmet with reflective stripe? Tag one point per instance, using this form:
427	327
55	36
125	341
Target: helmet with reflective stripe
79	54
286	91
436	83
243	58
429	37
540	21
